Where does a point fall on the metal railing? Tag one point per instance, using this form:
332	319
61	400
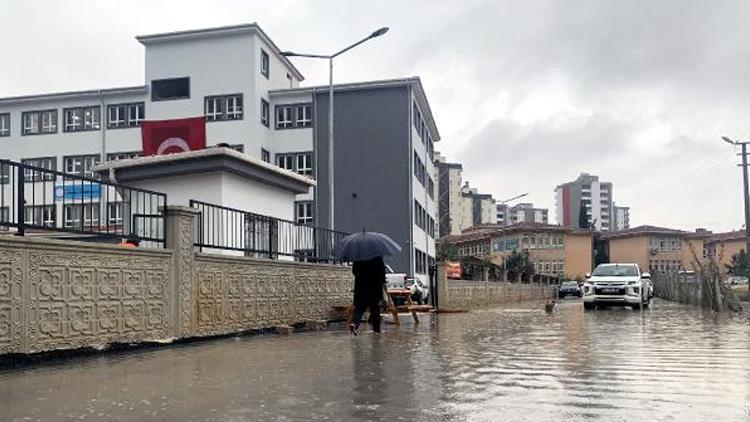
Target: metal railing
263	236
37	199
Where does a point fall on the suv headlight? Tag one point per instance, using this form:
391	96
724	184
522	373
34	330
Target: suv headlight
632	283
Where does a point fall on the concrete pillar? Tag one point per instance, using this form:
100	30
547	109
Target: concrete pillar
505	275
442	286
180	232
485	273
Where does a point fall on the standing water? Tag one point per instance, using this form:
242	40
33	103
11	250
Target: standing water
514	363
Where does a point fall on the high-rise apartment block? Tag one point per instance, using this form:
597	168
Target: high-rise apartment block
585	203
521	213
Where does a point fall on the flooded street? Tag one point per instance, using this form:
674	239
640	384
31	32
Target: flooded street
671	362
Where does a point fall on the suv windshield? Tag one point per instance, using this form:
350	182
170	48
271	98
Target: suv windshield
616	271
570	284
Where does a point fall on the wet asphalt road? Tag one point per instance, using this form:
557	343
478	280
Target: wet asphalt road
670	363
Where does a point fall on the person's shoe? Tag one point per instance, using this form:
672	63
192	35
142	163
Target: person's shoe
353	329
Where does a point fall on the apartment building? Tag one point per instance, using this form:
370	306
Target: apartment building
450	200
520	213
553	250
478	208
251	98
722	246
585	199
657	249
621	218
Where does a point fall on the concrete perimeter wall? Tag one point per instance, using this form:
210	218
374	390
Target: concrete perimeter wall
466	294
64	295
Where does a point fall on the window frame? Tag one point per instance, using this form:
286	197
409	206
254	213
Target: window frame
40	211
127	122
5	129
265	155
39	122
82	172
124	155
82	124
294	122
223	100
295	161
308	205
37	162
265	110
265	64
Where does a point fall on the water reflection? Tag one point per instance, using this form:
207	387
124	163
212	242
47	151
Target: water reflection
514	363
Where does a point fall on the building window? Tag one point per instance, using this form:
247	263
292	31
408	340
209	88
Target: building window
114	213
81	215
81	119
304	115
303	212
170	89
80	165
290	116
223	107
37	122
304	164
300	163
419	169
265	63
125	115
46	163
4	124
114	156
264	110
265	155
285	161
420	264
283	117
40	215
431	188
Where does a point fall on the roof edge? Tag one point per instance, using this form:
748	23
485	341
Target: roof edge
63	95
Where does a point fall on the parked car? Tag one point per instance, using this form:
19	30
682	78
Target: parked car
420	292
736	280
394	280
569	288
617	285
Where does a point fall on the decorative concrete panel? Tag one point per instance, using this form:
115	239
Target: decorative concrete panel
62	295
235	294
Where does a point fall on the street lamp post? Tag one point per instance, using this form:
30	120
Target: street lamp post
330	58
744	166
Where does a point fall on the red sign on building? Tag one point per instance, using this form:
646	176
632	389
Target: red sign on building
177	135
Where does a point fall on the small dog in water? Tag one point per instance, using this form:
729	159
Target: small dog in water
549	306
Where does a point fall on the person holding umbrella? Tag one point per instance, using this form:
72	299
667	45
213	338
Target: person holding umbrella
369	278
366	251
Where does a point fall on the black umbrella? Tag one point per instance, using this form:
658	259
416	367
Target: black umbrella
365	245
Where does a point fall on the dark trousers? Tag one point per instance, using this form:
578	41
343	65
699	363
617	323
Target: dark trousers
374	308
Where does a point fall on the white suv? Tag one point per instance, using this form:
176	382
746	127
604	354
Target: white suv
617	285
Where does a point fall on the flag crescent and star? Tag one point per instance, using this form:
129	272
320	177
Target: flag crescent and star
161	137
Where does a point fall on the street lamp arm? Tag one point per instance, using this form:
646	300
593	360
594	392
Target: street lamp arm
515	197
375	34
314	56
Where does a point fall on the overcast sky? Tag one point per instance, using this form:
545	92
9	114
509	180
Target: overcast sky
526	94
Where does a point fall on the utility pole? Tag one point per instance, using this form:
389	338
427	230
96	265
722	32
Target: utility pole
746	192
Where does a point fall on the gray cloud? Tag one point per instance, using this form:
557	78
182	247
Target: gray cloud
526	93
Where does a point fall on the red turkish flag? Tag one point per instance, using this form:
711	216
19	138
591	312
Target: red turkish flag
177	135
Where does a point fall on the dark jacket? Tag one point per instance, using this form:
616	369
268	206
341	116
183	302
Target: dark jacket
369	278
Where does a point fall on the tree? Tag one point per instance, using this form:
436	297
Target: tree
519	263
448	252
740	264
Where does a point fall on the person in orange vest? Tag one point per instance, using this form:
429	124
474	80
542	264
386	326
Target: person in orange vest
131	241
